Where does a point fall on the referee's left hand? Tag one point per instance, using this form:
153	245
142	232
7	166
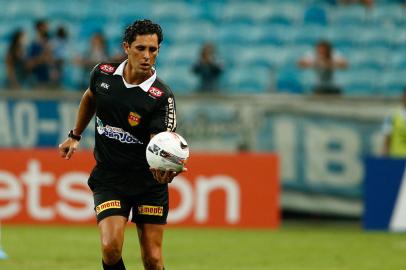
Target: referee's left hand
164	177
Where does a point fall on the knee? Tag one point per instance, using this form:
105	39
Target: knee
111	249
152	259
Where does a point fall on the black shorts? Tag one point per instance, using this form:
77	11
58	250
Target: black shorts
148	205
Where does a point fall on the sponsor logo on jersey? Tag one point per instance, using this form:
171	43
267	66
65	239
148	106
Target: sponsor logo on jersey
155	92
105	85
150	210
107	205
170	120
107	68
115	133
134	119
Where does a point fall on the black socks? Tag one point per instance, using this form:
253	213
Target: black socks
118	266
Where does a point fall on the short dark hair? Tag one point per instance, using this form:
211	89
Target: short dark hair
142	27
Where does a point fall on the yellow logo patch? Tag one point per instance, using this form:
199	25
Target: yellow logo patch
134	119
150	210
107	205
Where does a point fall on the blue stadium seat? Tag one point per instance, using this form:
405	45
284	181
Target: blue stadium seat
351	15
315	15
393	82
181	54
295	52
364	58
179	78
343	36
387	13
288	81
374	37
243	79
254	57
246	12
25	9
234	33
177	11
285	12
397	59
198	32
398	36
210	11
308	34
358	81
66	10
275	55
275	34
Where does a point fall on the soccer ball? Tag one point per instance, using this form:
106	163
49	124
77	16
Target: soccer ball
167	151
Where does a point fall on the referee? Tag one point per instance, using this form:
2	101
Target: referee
131	104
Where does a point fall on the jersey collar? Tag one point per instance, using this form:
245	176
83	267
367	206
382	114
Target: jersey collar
145	85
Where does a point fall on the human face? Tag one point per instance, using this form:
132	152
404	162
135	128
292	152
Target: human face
142	53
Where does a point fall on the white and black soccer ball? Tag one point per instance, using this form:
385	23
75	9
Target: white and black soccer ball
167	151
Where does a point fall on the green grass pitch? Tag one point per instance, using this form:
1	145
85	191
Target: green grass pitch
294	246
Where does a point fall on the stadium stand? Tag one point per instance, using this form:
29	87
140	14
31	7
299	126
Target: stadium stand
264	36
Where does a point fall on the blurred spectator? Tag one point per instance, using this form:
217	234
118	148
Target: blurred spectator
96	53
40	56
324	61
394	129
60	47
208	69
16	61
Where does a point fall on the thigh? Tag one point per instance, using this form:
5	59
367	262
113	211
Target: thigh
112	231
151	206
150	237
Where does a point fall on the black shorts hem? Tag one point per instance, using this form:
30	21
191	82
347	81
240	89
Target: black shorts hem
149	222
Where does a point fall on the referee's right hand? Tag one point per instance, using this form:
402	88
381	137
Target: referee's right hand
68	147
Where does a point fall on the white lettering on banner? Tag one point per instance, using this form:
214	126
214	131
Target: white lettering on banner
9	190
75	201
185	207
5	130
26	123
66	191
285	143
12	191
318	156
34	179
205	185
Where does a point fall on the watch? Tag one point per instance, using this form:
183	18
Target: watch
73	136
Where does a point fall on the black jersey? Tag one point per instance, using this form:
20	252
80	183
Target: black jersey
126	116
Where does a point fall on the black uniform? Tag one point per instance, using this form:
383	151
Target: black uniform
126	116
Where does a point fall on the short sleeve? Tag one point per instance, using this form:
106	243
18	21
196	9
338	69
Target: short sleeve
164	116
93	75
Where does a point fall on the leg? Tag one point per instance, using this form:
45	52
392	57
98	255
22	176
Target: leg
150	237
112	238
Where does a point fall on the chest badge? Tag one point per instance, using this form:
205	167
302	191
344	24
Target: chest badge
134	119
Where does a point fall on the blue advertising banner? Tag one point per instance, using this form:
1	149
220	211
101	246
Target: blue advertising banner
385	194
38	123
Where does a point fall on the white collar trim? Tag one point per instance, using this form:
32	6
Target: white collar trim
145	85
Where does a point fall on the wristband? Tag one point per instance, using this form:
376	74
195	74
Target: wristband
73	136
